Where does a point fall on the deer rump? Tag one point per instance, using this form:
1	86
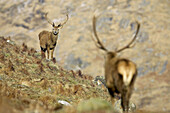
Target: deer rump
114	72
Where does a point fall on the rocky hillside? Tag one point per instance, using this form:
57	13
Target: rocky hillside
27	80
29	84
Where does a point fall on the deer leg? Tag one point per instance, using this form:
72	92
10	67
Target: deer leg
48	52
128	95
43	52
125	101
111	92
52	51
127	104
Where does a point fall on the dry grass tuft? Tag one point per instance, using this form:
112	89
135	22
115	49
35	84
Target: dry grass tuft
24	47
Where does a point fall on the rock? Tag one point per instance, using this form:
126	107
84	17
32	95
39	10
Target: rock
124	23
118	109
27	19
149	50
133	26
11	42
99	80
41	1
13	10
21	25
141	71
37	79
80	38
69	8
112	2
83	7
0	78
143	36
103	23
156	67
163	68
144	3
73	63
64	103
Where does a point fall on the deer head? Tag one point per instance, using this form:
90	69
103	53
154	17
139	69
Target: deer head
56	28
111	54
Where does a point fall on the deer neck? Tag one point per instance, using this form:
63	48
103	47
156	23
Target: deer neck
109	62
53	37
110	57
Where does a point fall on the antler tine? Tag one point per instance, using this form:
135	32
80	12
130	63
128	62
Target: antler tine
61	25
134	38
98	43
48	19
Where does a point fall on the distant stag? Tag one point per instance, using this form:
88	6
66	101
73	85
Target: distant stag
120	73
48	39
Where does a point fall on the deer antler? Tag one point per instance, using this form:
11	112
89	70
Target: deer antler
134	38
98	43
48	20
61	25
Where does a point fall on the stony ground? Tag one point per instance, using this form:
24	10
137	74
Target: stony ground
21	67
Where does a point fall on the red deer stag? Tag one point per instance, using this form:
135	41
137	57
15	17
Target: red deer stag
48	39
120	73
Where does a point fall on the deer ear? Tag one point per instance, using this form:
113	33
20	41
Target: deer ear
53	24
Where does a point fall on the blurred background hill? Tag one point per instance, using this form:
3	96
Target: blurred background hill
24	19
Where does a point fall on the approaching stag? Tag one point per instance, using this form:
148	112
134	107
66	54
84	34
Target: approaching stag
120	73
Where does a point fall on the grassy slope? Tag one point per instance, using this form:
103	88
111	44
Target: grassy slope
25	78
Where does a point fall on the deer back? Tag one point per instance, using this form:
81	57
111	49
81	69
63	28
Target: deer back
43	37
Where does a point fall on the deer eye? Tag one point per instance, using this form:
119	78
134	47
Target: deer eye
120	75
59	25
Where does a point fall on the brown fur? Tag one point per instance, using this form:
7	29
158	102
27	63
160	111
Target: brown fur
48	40
114	79
118	71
